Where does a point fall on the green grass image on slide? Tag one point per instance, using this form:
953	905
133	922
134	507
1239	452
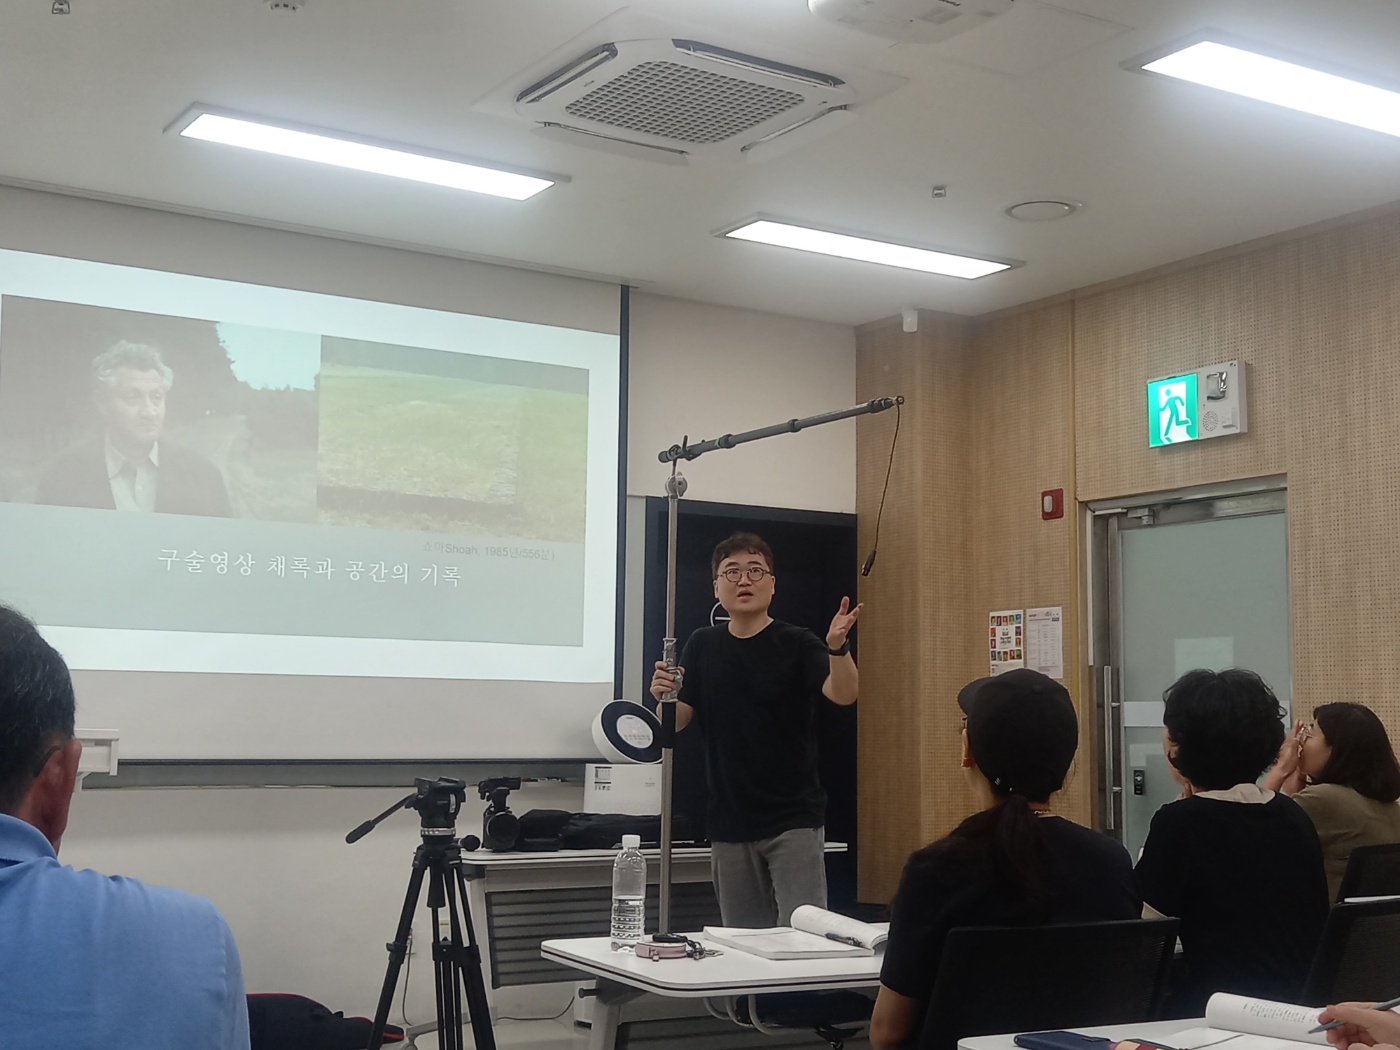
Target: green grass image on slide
489	457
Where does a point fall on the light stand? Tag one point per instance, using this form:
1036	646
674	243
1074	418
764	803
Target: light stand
675	489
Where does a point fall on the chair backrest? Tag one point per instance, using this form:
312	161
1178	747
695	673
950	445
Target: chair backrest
1372	871
1359	955
996	979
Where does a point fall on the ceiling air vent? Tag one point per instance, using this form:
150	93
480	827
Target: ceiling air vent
674	100
915	21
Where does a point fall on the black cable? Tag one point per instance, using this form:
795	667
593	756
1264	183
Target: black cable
569	1006
870	561
408	972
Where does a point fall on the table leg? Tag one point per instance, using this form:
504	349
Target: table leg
476	905
607	1011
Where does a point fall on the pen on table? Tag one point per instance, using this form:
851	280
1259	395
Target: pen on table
844	940
1389	1004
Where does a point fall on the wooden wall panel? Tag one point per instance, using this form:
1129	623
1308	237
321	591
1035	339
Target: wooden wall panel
1022	375
909	657
1344	470
1239	308
1317	321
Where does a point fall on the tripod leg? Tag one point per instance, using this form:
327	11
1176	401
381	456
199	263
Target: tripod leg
449	1002
477	1007
398	949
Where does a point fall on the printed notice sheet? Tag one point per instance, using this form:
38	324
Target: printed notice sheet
1045	650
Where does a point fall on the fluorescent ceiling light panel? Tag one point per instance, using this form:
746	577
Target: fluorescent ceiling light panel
1254	75
864	249
329	147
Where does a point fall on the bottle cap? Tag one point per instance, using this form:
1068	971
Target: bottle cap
631	842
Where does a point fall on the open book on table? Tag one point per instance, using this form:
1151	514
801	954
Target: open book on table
815	933
1239	1023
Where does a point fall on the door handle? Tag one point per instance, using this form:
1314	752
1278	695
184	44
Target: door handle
1110	747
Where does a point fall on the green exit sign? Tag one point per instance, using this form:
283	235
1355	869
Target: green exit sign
1173	410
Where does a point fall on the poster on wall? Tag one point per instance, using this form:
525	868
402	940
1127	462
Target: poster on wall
1006	633
1045	650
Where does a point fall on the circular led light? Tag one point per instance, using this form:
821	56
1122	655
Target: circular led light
1042	211
627	732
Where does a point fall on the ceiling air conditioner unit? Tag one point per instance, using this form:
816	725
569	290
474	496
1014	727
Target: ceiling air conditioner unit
914	21
674	100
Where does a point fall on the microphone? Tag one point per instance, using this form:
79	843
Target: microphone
869	563
470	842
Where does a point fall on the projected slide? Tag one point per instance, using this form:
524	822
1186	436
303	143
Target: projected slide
197	475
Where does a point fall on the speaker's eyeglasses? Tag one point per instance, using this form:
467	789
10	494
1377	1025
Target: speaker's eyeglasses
753	572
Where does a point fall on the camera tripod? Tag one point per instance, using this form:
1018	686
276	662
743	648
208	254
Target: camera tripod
456	962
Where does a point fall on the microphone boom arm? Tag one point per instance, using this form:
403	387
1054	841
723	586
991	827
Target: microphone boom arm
792	426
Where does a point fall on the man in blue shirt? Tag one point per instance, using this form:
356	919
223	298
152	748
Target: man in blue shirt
89	962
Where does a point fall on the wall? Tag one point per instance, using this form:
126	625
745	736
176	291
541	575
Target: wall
310	913
913	655
1052	394
1318	321
703	371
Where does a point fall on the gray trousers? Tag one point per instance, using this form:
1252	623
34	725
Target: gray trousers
760	883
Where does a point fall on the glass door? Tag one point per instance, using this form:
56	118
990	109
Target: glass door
1188	584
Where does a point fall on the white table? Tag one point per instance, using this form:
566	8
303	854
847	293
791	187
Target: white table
1157	1031
527	923
622	977
547	913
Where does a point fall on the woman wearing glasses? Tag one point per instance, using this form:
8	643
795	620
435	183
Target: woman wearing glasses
1341	769
752	685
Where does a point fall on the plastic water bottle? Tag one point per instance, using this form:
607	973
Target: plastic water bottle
629	897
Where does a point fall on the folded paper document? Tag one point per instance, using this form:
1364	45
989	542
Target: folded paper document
815	933
1240	1023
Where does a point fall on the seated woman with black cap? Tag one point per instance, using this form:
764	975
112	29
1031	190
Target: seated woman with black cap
1013	863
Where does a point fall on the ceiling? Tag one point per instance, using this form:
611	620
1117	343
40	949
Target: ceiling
1031	105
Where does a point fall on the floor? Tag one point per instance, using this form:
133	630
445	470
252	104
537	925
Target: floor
561	1034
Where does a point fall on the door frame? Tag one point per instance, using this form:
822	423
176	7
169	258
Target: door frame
1105	521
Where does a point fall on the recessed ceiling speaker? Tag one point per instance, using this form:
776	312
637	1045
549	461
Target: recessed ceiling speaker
1042	211
911	21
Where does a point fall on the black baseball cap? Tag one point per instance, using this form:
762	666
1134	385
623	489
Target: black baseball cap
1022	731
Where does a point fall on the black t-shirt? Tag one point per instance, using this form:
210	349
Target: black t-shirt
1247	883
1090	878
755	706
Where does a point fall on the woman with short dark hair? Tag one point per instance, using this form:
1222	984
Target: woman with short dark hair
1238	864
1342	770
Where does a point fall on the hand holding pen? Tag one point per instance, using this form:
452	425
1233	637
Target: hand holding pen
1361	1024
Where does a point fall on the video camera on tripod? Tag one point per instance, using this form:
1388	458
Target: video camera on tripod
500	828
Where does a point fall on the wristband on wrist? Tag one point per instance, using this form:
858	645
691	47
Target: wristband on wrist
845	648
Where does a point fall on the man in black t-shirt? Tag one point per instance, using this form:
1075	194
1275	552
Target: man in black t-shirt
752	686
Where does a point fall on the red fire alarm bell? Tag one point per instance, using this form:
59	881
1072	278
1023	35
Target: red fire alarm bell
1052	504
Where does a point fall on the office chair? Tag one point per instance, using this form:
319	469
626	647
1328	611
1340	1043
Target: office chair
995	979
1372	871
1358	957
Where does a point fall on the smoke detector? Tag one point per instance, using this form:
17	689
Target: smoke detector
649	88
915	21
